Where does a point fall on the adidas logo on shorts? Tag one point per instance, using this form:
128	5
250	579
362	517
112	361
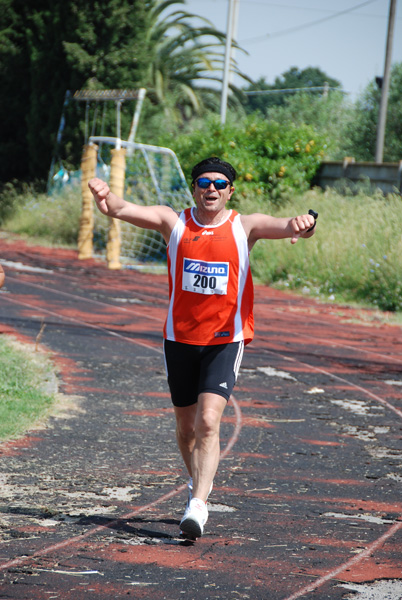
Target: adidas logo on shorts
224	385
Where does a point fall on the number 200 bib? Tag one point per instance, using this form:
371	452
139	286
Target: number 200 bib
205	277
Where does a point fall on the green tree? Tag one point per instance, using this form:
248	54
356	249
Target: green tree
185	57
14	84
58	45
309	77
361	134
51	46
328	116
294	78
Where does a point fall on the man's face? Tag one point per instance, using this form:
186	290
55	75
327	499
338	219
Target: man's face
210	198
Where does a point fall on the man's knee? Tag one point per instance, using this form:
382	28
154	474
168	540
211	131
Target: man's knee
185	419
209	415
207	427
185	431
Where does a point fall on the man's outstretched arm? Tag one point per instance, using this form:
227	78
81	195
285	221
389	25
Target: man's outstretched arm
157	217
259	226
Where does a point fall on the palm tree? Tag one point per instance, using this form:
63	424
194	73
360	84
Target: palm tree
185	61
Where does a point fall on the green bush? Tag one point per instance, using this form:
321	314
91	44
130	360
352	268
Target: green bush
327	116
9	196
270	159
383	287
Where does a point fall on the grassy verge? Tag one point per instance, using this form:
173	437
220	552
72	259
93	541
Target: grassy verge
355	255
49	220
27	391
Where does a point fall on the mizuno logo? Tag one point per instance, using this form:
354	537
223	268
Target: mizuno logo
205	268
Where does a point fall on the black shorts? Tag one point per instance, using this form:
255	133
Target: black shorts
192	370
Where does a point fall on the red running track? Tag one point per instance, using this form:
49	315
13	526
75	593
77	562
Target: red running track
307	498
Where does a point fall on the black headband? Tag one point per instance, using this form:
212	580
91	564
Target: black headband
212	168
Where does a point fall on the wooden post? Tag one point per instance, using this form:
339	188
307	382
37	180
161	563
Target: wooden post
117	178
88	171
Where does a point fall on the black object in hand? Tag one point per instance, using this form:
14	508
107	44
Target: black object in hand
315	215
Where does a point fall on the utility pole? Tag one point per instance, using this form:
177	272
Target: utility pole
382	117
233	9
235	23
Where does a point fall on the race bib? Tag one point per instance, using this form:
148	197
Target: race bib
205	277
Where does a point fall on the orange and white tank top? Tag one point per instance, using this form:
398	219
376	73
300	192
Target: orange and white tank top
210	283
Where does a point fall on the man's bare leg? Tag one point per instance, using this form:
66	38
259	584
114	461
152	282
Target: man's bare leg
202	448
197	431
206	452
185	432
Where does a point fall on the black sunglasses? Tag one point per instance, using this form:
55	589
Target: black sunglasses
204	183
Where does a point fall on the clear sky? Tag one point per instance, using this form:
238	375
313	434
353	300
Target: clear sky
346	39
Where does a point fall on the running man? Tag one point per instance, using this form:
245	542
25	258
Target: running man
210	315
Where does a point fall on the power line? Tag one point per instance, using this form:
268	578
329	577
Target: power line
294	7
317	88
306	25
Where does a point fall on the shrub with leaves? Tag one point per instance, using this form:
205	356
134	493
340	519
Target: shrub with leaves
8	199
270	159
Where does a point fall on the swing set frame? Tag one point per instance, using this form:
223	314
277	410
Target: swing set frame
113	95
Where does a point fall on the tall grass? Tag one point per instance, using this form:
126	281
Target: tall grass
355	254
48	219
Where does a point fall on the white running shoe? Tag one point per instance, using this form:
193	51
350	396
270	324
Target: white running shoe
183	534
194	518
